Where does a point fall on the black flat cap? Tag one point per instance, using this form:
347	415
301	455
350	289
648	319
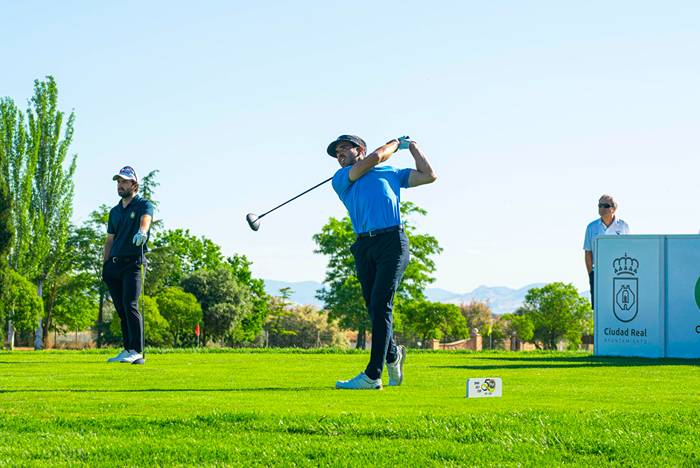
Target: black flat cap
354	139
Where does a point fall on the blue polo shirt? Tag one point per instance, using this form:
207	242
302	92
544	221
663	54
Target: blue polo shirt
373	200
598	228
124	223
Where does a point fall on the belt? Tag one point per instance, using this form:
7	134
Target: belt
123	259
380	231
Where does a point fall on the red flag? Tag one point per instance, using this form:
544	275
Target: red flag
196	330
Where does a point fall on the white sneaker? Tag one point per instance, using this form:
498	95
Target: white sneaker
395	369
131	357
359	382
124	353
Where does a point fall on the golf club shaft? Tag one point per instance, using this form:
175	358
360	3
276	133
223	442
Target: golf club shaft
143	311
292	199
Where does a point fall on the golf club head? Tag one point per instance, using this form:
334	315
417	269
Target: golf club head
139	361
253	221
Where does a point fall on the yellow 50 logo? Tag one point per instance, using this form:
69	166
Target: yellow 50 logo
489	385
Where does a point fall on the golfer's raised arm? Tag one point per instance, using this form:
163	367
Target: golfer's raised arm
381	154
424	173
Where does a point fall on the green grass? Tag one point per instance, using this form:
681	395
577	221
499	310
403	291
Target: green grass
279	408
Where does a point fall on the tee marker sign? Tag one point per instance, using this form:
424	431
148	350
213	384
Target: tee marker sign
489	387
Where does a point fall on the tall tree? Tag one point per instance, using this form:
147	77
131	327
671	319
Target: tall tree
52	187
342	294
17	166
6	228
18	162
6	234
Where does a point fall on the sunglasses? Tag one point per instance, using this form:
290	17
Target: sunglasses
604	205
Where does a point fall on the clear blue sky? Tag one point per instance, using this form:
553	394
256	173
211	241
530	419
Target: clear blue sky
528	110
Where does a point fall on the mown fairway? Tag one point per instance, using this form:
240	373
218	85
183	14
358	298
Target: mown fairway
280	408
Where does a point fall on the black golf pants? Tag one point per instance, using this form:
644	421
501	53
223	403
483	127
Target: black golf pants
123	278
591	282
380	262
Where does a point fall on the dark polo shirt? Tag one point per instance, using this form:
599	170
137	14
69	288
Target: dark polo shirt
124	224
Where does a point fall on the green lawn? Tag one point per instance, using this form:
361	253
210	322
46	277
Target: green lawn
280	408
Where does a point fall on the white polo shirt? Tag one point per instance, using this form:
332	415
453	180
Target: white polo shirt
597	228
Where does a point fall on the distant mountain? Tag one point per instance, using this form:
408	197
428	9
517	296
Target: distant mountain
501	299
304	292
440	295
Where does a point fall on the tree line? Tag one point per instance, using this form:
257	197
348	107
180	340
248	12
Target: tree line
50	269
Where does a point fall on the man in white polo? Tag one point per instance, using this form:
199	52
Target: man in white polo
607	225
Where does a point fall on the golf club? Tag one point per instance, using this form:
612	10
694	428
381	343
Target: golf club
143	313
254	221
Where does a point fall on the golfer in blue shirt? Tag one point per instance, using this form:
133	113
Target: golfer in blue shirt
371	195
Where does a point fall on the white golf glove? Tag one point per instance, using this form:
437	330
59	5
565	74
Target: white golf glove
140	238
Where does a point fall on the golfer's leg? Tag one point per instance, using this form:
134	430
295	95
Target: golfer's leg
365	269
591	282
131	282
402	240
392	259
116	292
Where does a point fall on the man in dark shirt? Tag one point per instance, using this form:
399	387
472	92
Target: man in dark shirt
127	236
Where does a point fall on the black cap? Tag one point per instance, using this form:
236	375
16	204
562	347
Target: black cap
354	139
